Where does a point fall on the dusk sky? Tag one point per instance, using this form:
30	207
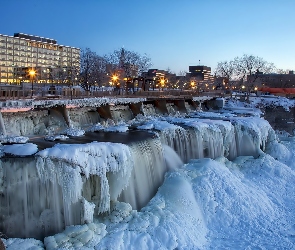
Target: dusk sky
173	33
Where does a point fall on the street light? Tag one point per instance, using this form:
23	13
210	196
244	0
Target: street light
116	84
32	74
162	83
114	78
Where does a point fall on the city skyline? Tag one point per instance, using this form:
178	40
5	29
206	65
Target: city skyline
173	34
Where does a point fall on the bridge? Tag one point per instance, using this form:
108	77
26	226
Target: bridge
12	92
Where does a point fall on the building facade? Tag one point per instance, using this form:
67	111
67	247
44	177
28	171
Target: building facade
201	78
160	78
22	54
273	80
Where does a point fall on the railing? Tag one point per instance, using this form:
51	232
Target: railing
11	94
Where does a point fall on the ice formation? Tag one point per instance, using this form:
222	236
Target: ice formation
14	139
20	149
210	204
224	197
56	137
66	164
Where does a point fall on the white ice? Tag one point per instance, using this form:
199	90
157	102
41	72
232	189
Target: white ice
20	149
247	203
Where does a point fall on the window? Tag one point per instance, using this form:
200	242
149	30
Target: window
9	39
2	39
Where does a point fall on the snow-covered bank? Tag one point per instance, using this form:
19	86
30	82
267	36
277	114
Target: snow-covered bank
263	101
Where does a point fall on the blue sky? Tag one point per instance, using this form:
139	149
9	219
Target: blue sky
173	33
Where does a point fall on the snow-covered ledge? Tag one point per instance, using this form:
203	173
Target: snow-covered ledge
86	102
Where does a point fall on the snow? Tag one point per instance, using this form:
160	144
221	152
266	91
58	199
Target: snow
20	149
263	101
23	244
94	158
84	236
56	137
118	128
74	132
201	98
13	139
207	204
244	203
110	126
13	106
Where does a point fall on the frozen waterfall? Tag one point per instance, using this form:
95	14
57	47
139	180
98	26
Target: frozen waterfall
69	184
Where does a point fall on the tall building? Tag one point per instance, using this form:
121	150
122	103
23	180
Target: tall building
22	54
200	73
201	78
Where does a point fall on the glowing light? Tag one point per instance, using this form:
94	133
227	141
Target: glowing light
32	73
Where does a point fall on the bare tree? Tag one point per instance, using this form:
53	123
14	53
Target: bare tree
92	65
249	68
169	71
226	69
131	63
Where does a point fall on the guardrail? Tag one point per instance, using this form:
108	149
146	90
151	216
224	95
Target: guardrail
77	94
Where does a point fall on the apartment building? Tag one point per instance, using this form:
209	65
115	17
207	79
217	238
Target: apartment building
25	58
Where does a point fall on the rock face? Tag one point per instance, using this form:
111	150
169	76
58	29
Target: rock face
280	119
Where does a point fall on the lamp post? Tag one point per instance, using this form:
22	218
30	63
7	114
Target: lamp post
162	81
114	78
116	84
32	74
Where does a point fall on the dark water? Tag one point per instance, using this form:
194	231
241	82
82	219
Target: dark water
116	137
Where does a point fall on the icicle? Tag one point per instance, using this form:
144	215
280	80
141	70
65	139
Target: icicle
64	164
87	211
149	110
83	117
147	175
121	113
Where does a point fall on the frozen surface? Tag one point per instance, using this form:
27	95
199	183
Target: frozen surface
118	128
20	149
264	101
74	132
213	204
14	106
64	164
245	203
14	139
56	138
23	244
